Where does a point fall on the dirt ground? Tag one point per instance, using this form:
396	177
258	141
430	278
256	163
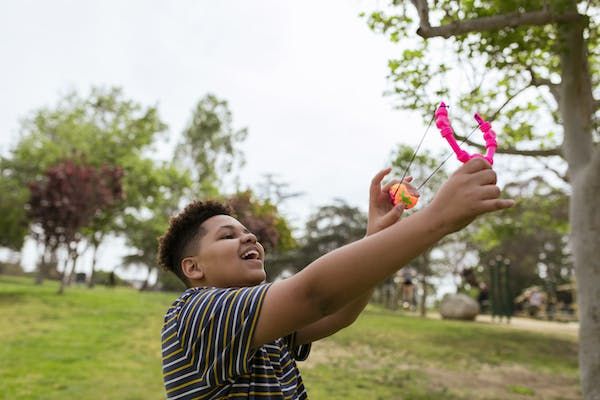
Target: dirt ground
485	383
490	382
528	324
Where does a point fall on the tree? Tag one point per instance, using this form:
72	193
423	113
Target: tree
532	236
534	66
275	190
95	232
328	228
14	224
66	200
209	147
141	228
104	128
141	237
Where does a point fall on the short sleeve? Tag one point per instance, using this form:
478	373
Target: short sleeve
215	329
299	352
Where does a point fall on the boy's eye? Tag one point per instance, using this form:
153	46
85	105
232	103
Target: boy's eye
228	236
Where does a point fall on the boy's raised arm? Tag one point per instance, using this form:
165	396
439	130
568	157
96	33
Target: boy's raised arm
339	277
382	214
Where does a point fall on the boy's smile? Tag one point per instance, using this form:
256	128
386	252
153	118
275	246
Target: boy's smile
253	255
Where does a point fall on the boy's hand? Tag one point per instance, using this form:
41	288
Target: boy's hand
470	191
382	212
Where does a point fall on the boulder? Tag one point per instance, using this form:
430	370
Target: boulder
459	306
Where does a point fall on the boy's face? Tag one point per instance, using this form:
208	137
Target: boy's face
229	254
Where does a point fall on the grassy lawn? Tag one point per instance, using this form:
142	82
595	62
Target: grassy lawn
388	356
104	344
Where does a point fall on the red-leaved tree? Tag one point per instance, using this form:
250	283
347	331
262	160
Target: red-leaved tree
65	200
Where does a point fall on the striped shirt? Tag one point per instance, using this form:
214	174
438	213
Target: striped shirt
206	350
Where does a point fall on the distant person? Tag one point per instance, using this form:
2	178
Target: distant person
232	335
388	291
536	301
408	287
483	297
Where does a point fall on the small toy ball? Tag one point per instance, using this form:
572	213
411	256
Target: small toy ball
400	194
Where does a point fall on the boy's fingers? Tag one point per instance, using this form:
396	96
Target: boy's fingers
411	189
388	185
490	192
380	175
497	204
376	181
393	215
485	177
474	165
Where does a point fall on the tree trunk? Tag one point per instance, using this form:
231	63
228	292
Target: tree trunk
423	305
74	258
41	269
64	276
576	110
426	270
91	282
585	242
47	267
146	283
67	276
96	240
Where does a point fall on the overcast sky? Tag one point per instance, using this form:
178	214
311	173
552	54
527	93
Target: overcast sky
306	78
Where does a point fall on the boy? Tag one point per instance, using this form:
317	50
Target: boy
233	336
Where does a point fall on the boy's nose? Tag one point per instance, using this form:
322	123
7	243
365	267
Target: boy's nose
249	237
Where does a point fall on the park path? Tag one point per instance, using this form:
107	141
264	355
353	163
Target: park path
536	325
528	324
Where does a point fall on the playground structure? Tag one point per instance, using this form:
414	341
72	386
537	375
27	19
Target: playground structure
500	296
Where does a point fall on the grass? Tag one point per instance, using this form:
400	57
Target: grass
104	344
86	344
388	356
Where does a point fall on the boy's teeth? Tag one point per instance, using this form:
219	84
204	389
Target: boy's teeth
249	253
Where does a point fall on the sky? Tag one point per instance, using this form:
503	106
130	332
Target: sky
306	78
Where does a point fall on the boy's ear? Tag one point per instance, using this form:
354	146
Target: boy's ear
192	269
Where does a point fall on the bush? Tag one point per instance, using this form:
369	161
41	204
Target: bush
11	269
104	278
169	282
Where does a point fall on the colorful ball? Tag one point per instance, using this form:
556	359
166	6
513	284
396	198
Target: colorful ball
400	194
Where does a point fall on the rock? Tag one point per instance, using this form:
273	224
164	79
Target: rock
459	306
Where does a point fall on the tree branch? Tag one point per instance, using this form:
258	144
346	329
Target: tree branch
514	151
537	81
564	177
492	23
423	11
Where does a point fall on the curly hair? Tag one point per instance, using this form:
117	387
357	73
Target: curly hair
184	230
